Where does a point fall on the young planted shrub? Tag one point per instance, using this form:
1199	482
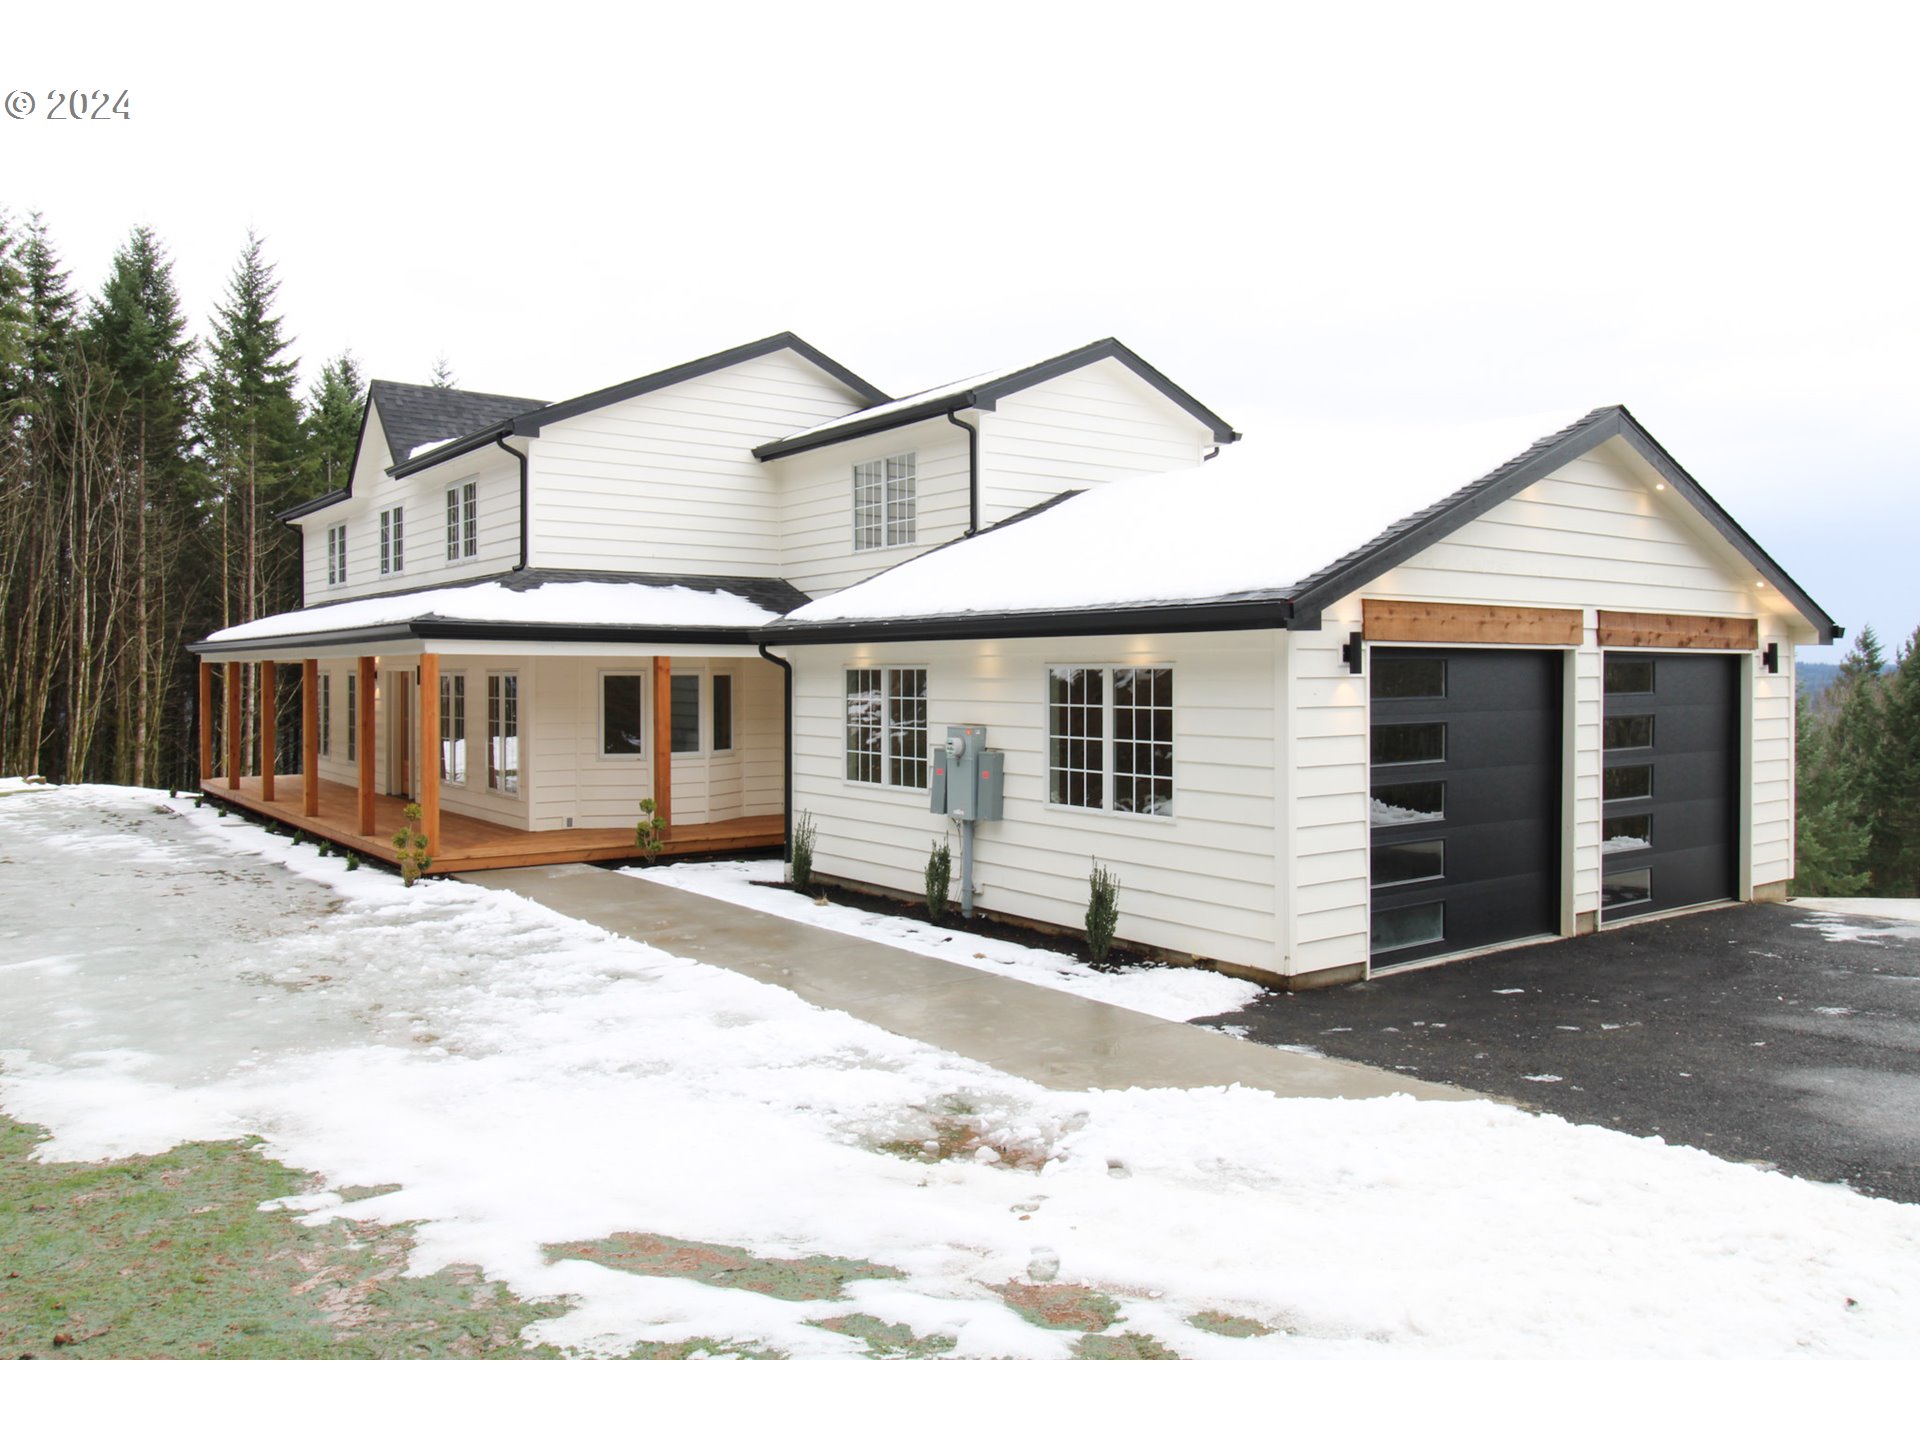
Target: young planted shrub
939	879
1103	910
800	867
650	833
409	848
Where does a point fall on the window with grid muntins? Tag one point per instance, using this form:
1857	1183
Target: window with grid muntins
336	555
393	543
1076	737
1143	740
503	733
463	521
887	726
1110	738
885	504
453	729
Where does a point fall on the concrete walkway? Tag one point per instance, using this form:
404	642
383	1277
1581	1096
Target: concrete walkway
1061	1041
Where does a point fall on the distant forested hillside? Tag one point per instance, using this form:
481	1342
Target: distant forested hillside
1814	679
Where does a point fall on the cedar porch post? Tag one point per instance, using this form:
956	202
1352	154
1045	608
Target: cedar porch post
206	724
233	724
429	789
363	723
269	678
310	737
663	740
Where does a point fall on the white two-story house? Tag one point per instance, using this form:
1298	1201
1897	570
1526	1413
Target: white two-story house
1369	705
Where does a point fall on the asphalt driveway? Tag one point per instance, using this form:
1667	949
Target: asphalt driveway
1762	1033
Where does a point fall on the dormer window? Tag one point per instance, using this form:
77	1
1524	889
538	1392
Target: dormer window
336	554
883	502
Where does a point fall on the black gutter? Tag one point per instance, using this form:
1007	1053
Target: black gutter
786	804
1276	613
973	470
434	629
501	441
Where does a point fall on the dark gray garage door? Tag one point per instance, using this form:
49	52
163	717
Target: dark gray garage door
1669	782
1466	799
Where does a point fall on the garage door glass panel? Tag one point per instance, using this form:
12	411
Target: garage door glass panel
1627	887
1408	677
1627	782
1621	833
1627	732
1415	804
1412	925
1406	864
1629	677
1409	744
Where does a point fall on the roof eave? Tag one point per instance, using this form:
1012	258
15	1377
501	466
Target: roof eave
465	445
1175	617
533	632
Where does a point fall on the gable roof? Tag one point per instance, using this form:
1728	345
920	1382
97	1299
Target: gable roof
983	392
1227	546
534	415
416	415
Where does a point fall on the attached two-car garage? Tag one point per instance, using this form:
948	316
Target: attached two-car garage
1469	830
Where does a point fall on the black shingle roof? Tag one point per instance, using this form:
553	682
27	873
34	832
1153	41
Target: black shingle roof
416	414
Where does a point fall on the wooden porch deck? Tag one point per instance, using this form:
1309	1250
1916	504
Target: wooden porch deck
470	844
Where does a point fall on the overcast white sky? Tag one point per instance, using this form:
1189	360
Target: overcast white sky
1419	212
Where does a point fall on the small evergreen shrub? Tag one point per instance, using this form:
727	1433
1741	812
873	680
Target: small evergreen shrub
939	880
353	861
1103	910
409	848
651	832
800	867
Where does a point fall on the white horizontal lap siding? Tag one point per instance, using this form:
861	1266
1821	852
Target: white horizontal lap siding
666	482
1200	882
816	504
1328	792
422	500
1096	424
1770	769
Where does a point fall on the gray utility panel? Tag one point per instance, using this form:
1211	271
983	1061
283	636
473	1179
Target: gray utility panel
968	780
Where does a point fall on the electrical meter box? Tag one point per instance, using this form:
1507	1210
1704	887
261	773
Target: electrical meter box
965	778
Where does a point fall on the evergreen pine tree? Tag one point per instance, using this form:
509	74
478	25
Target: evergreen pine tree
1854	714
1894	851
136	335
50	312
13	322
442	373
334	407
252	428
1830	851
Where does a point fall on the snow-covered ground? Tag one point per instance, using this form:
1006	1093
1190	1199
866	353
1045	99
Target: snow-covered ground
528	1080
1172	992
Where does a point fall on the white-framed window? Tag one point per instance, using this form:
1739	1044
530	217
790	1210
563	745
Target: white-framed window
503	733
887	726
453	729
722	719
337	554
326	715
393	541
884	502
353	714
1110	738
623	713
683	705
463	520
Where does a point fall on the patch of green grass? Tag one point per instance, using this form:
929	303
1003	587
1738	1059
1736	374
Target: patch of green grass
170	1256
813	1277
888	1342
1125	1346
1234	1327
1059	1307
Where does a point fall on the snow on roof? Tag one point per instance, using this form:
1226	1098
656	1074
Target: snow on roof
1250	521
417	451
907	402
574	602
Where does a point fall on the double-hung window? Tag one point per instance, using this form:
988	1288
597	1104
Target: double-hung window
453	729
884	502
337	554
326	715
463	520
887	726
1110	738
503	733
393	541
